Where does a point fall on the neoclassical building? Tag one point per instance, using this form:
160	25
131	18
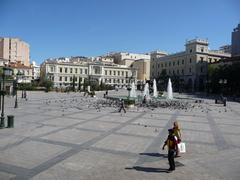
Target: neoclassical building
61	73
190	66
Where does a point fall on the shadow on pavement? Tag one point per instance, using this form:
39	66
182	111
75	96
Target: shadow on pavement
154	154
148	169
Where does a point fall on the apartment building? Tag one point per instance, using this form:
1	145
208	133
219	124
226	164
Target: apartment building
125	58
191	65
62	73
14	50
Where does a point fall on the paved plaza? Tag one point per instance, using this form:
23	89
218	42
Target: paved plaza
66	136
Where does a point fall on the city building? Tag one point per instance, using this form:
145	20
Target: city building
236	41
143	69
125	58
190	66
25	71
14	50
35	70
61	73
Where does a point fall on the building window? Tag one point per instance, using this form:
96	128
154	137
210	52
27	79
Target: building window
105	72
158	65
118	73
65	78
114	73
190	51
183	61
201	59
178	62
126	73
202	49
65	70
110	73
169	63
173	63
161	65
80	71
60	69
85	71
71	78
165	64
76	70
190	70
122	73
153	66
70	70
122	80
182	71
60	78
190	60
51	69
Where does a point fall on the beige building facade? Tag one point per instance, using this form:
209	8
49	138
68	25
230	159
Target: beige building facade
14	50
143	69
62	73
190	66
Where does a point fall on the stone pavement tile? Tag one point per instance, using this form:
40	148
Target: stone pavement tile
91	165
233	139
83	115
151	122
227	121
194	126
124	143
38	130
118	118
30	154
97	125
197	149
74	136
192	119
140	130
9	140
224	164
197	136
62	121
229	129
6	176
163	116
31	118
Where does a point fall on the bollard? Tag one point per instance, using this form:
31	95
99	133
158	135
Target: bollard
10	121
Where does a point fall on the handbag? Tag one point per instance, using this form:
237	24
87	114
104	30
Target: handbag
182	147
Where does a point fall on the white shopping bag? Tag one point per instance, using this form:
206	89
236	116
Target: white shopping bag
182	147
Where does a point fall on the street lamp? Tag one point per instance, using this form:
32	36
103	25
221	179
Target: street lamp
17	78
6	72
222	82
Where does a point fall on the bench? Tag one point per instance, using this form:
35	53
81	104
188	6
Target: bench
221	100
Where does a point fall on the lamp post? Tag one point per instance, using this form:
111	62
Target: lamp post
222	83
16	99
6	72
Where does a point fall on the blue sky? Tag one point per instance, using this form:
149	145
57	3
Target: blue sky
56	28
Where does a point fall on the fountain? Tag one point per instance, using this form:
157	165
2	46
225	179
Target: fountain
155	93
169	90
133	91
146	91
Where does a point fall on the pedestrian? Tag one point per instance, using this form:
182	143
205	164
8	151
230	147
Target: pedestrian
178	135
172	146
122	106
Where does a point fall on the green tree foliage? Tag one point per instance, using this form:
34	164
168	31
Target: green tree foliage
229	72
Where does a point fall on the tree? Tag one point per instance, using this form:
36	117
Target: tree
48	84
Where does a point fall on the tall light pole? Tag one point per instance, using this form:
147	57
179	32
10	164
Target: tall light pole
6	72
17	78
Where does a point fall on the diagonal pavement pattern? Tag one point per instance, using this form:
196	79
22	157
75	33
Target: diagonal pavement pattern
63	136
